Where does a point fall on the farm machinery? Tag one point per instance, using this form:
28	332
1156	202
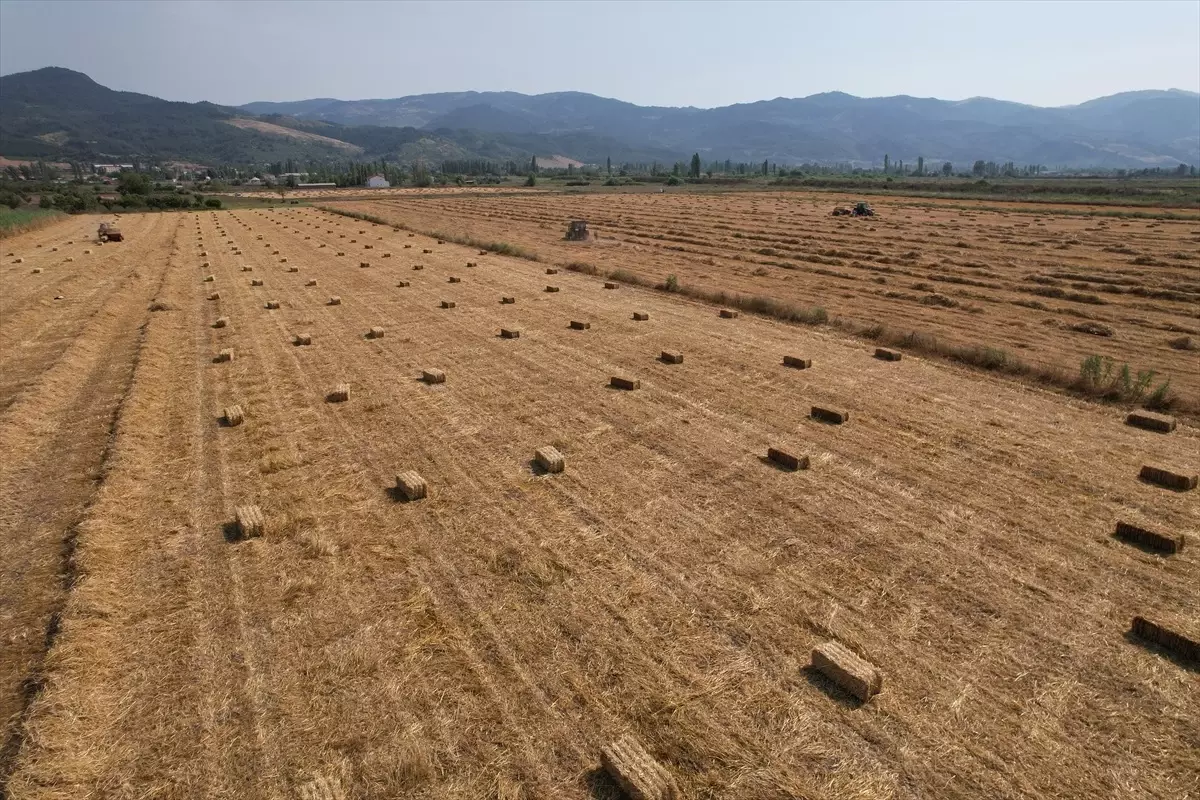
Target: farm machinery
859	210
577	231
109	233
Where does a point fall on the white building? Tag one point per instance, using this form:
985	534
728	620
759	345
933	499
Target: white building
377	182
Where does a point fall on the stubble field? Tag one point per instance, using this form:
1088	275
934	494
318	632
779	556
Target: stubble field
488	640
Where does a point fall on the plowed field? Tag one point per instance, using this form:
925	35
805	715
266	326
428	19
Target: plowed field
671	583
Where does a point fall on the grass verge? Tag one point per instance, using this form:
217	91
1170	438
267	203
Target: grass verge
14	221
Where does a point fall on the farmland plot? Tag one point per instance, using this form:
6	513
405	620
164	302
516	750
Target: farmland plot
670	583
1049	288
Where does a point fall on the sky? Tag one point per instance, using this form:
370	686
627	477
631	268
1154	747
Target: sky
704	53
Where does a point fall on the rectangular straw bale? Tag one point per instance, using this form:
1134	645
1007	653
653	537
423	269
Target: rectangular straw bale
426	250
209	278
250	521
340	253
454	279
311	282
293	269
510	333
404	284
221	322
386	255
448	304
1182	645
335	300
433	376
418	266
471	264
797	362
256	282
375	333
640	316
271	304
624	383
549	459
884	354
786	459
340	393
508	300
224	355
551	271
1147	538
728	313
829	415
671	357
636	772
364	264
215	296
845	668
576	325
1168	478
234	416
411	486
247	269
1151	421
609	285
551	288
302	339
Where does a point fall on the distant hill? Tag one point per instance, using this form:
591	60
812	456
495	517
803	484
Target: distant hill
58	114
1133	129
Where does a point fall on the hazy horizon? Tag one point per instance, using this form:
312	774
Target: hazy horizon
661	53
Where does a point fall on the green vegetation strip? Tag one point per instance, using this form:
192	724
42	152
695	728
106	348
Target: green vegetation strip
14	221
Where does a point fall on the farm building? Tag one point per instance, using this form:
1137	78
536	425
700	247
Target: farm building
377	182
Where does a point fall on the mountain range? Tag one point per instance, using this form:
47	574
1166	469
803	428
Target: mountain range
56	113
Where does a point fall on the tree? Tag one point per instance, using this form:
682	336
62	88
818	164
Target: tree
531	180
979	168
533	166
133	183
887	162
695	170
920	165
947	169
608	164
766	168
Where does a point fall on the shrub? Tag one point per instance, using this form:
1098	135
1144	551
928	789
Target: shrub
531	180
672	284
674	181
212	202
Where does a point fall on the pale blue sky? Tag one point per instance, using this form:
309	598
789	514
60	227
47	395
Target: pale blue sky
669	53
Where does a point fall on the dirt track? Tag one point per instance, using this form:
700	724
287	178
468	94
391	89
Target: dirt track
1025	283
486	641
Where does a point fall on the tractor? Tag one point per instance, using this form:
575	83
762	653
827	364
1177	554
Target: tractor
577	231
859	210
109	233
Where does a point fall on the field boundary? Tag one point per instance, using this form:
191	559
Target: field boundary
984	358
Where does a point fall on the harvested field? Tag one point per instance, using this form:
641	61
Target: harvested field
1030	284
492	639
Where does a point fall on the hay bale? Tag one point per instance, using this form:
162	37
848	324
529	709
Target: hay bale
247	269
215	296
1168	478
1147	538
551	271
797	362
234	416
407	246
507	301
322	244
1151	421
883	354
671	357
386	255
549	459
576	325
364	264
271	304
1183	646
640	316
224	355
311	282
830	416
418	266
283	261
787	460
209	278
368	247
250	522
453	279
728	314
340	393
411	486
256	282
72	259
471	264
87	252
293	269
335	301
36	270
433	376
609	285
375	333
404	284
628	384
483	252
220	322
845	668
302	339
439	241
551	288
636	772
510	333
426	250
411	235
19	261
447	304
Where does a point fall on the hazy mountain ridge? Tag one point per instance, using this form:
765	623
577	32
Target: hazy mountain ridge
59	114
